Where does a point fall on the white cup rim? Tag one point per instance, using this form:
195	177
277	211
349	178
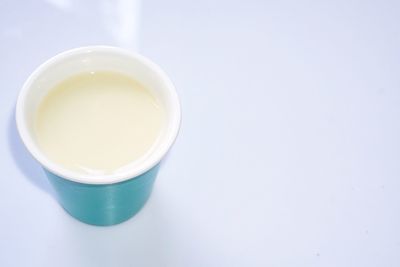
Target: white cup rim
153	159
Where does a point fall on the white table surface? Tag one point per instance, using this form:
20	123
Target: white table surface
289	151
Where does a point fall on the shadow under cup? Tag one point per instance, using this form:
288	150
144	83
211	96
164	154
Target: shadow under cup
100	199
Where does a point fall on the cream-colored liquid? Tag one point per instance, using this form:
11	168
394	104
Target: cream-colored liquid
98	122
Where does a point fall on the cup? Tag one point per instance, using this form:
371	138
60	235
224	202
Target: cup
105	199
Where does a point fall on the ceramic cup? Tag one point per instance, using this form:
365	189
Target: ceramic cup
99	199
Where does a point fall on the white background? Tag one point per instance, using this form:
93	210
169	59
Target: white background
289	151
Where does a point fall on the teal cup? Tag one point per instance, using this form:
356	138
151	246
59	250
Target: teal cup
104	199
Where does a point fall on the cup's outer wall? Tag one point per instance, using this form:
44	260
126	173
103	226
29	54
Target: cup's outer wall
104	204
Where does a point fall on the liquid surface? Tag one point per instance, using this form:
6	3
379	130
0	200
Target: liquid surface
98	122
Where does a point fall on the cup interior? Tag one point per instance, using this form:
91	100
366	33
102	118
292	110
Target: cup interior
92	59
